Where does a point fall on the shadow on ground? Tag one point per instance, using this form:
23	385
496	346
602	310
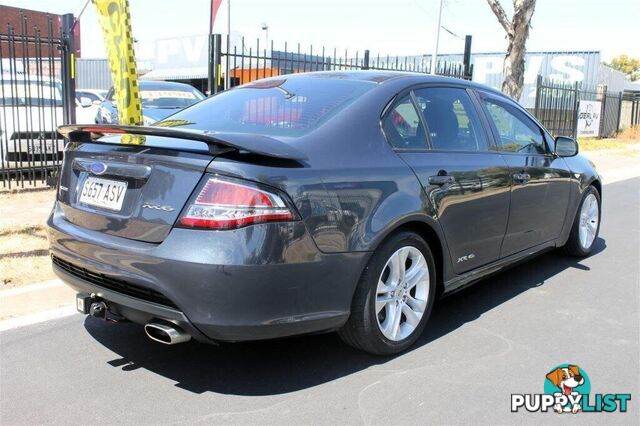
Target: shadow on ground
288	365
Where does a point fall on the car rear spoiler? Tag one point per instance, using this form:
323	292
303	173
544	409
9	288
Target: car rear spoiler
256	144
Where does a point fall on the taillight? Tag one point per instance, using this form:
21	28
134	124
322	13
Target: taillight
226	204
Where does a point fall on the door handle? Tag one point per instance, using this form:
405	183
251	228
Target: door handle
522	178
441	180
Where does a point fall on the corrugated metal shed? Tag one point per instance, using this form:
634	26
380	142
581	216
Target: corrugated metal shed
93	74
583	67
613	79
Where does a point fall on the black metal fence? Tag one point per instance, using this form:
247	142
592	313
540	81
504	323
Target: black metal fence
233	64
557	105
36	96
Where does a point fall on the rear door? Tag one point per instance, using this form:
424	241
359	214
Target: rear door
439	133
540	180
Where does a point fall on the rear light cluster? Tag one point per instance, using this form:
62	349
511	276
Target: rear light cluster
227	204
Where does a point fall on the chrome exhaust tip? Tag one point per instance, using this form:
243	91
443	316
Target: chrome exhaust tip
166	334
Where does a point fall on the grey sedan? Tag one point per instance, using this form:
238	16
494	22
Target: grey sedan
318	202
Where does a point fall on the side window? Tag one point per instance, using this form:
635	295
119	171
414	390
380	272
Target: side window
402	126
452	119
518	133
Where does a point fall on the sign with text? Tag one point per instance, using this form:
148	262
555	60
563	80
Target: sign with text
589	118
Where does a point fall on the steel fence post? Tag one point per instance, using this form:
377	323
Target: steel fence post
68	69
210	67
619	111
603	111
467	58
537	102
217	63
576	103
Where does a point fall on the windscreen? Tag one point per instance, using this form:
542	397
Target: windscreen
282	107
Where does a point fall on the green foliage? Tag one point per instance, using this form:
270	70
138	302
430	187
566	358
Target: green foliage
628	65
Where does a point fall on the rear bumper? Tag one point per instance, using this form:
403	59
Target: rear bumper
259	282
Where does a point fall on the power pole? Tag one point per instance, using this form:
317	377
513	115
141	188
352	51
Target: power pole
434	57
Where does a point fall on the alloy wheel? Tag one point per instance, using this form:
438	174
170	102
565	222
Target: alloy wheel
589	217
402	293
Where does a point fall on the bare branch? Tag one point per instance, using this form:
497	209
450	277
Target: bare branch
497	9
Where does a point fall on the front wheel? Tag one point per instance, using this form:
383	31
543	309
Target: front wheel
586	225
394	297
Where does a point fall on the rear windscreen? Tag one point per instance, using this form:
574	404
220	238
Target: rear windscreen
285	107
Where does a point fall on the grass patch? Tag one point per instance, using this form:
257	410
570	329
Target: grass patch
630	133
24	256
592	144
627	138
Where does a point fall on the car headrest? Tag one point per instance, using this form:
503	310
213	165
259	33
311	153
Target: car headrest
442	122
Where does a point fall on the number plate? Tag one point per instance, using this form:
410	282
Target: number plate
105	193
37	148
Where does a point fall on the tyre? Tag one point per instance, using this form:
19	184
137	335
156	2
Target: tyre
394	297
586	225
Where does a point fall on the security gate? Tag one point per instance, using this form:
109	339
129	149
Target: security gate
37	94
557	107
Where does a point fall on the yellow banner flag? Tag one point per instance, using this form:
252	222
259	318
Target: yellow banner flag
115	21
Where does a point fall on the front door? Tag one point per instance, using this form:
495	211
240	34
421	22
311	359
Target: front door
540	180
439	134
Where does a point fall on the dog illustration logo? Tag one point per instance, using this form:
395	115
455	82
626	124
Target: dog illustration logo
567	379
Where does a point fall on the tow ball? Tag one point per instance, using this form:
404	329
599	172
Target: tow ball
92	305
98	310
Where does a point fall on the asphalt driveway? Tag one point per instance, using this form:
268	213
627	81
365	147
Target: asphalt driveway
497	338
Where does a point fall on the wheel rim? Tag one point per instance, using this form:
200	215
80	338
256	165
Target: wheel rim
402	293
589	216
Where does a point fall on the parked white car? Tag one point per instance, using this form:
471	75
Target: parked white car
30	112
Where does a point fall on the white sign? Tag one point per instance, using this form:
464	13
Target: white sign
589	118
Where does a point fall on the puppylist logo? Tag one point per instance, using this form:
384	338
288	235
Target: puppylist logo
567	389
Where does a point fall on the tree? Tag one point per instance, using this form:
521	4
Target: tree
628	65
517	29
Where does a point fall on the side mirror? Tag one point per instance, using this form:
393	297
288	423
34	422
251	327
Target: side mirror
85	102
565	147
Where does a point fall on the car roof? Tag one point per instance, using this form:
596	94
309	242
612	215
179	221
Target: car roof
383	77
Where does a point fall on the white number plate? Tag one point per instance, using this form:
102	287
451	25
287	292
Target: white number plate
37	148
105	193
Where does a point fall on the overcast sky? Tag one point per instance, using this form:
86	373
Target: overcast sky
403	27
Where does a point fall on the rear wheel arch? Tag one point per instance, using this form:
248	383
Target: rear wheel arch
431	237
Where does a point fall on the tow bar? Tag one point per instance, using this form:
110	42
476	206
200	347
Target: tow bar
97	308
